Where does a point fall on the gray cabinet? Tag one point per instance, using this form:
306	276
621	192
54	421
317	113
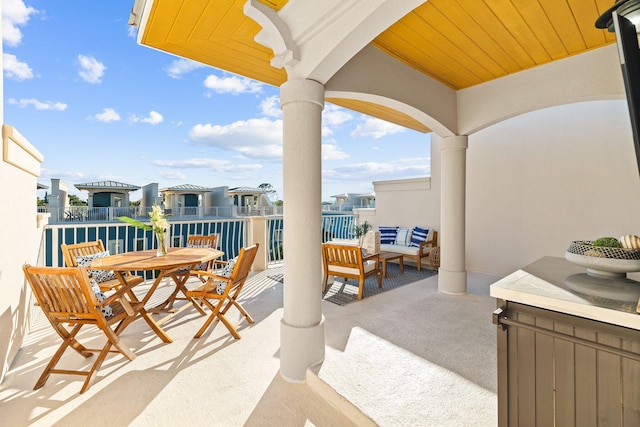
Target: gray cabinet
556	369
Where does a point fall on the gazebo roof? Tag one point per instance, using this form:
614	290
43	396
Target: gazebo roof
187	187
246	190
106	185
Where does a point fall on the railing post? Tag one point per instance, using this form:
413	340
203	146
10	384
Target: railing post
257	233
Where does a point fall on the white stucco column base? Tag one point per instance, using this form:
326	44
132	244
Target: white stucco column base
452	276
302	325
300	348
452	282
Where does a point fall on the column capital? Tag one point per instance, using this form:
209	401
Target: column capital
301	90
454	142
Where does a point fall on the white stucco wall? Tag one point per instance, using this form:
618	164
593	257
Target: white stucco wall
410	202
21	230
538	181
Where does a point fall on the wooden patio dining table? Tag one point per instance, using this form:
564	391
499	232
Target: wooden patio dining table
171	265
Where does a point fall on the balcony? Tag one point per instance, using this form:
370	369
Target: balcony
85	214
403	357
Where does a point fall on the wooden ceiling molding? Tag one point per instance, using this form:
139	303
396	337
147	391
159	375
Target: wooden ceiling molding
460	43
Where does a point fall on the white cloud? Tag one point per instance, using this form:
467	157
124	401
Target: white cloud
173	174
132	31
216	165
334	115
91	70
375	128
182	66
108	115
396	169
333	152
154	118
38	105
14	14
270	107
15	69
256	138
232	84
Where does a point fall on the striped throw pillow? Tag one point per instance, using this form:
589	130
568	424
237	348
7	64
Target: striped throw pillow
388	235
419	235
404	236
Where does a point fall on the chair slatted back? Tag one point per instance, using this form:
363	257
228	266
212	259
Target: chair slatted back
242	268
204	241
63	293
70	252
342	255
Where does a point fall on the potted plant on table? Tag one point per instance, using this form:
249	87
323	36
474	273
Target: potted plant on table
360	231
159	225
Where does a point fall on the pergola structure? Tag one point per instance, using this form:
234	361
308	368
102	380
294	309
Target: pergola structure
451	67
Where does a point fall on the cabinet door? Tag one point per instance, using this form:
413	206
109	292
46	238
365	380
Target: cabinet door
556	369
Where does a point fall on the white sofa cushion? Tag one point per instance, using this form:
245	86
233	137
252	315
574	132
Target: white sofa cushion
400	249
368	266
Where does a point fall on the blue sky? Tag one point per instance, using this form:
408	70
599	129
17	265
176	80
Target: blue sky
99	107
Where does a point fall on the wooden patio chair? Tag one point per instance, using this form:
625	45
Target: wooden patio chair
198	241
220	291
66	297
95	249
194	241
347	261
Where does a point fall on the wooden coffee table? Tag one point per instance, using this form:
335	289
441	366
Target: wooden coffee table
390	256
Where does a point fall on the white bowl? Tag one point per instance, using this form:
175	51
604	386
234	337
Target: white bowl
604	267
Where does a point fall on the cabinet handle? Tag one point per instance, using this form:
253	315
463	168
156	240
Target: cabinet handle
500	318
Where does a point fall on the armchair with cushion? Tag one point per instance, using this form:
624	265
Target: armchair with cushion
347	261
221	289
69	302
81	254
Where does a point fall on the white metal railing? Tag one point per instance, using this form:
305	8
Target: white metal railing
119	237
85	214
333	227
259	211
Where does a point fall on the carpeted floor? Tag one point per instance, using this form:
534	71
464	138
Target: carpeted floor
343	291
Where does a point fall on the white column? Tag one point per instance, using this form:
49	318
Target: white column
302	325
452	276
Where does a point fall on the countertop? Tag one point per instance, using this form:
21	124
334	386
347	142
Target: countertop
554	283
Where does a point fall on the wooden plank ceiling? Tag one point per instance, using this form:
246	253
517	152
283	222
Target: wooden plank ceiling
460	43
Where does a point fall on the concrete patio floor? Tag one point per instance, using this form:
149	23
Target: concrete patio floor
406	357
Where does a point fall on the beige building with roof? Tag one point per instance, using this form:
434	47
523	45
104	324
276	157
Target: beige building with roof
105	194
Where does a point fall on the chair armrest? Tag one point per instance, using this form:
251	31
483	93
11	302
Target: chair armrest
211	278
372	257
119	293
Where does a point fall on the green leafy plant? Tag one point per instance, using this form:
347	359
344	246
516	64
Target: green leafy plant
158	224
361	230
609	242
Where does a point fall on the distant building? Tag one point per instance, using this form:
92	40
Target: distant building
350	201
107	194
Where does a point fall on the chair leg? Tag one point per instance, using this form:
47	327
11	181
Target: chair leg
64	334
58	354
214	311
361	288
324	283
112	340
380	279
240	309
229	326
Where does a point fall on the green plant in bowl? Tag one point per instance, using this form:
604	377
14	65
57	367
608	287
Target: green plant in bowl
609	242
